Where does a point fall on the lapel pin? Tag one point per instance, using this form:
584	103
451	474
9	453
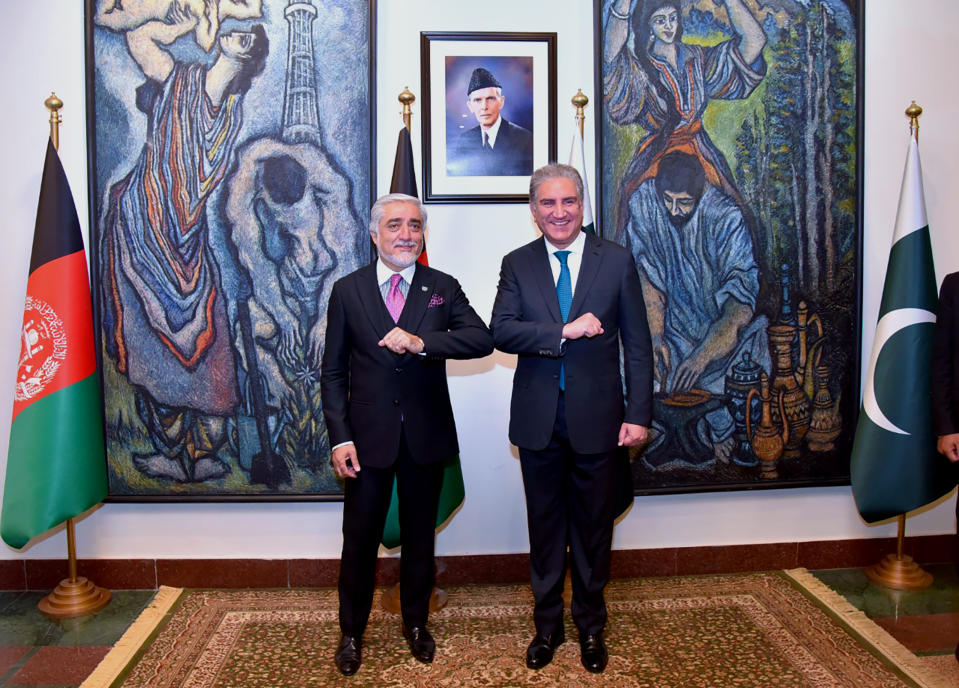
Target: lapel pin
423	288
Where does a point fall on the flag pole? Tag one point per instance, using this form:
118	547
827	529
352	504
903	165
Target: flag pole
899	571
75	595
580	101
391	596
407	99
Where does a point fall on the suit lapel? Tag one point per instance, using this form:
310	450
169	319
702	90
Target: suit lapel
418	298
542	274
588	269
372	301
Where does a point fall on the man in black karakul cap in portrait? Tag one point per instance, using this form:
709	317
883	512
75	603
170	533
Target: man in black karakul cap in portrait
495	147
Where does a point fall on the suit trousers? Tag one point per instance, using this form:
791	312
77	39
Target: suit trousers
366	502
569	503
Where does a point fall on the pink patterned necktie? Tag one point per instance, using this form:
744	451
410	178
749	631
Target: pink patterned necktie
394	297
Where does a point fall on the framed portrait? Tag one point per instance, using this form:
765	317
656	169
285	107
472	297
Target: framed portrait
490	115
227	194
729	148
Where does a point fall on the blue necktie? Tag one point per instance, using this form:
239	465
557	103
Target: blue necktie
564	292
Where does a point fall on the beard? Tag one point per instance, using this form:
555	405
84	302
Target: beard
679	221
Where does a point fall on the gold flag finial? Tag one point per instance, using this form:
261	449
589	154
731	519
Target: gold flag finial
580	101
407	98
53	104
913	112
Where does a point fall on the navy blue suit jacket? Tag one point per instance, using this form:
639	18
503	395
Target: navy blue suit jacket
526	321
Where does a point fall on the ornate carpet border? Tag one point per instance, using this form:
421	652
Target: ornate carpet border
870	633
127	647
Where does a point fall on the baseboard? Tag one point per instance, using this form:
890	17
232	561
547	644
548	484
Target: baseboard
139	574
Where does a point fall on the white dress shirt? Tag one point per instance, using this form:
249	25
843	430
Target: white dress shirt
491	133
384	273
573	261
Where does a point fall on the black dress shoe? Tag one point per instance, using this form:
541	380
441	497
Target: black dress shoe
348	655
540	651
593	652
422	645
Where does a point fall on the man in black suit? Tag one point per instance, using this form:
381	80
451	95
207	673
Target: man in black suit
494	147
565	303
390	328
945	377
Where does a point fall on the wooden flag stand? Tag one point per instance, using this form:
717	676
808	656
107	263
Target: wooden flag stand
899	571
74	596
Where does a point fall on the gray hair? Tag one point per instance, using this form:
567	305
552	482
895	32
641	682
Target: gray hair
552	171
379	209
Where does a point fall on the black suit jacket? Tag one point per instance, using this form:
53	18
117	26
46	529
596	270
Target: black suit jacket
945	359
368	392
527	321
512	154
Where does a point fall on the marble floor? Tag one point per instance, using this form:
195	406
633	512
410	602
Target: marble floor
35	651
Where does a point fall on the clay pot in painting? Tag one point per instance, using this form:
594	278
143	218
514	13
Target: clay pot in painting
767	440
795	404
825	423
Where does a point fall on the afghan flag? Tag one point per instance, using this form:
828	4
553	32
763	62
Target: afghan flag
453	491
577	159
56	467
895	467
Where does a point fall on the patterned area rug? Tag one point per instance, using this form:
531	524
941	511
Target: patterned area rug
760	629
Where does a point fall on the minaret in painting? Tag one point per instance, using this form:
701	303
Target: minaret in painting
301	121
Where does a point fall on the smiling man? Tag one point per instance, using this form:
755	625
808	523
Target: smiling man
495	147
565	304
391	326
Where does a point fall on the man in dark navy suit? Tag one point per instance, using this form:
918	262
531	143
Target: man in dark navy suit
494	147
945	377
565	304
391	326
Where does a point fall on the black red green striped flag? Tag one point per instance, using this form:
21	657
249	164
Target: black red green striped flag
453	491
55	466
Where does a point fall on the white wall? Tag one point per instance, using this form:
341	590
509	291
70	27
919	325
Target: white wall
909	54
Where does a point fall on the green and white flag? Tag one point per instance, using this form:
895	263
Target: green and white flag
894	466
577	159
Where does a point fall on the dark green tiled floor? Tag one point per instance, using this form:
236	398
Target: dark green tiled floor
35	651
925	621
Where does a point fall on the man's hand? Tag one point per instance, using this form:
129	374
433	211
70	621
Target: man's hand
688	372
586	325
660	361
948	446
400	342
345	463
631	435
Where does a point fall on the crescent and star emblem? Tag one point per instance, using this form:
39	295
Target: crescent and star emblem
888	325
